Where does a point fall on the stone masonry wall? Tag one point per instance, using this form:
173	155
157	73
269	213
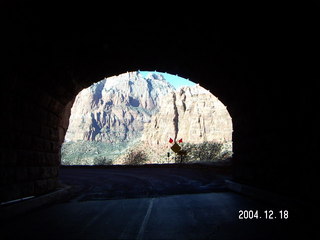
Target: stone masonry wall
35	124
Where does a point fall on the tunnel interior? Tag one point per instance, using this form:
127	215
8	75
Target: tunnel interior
256	69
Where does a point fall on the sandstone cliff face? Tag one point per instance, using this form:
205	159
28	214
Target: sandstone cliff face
116	109
131	112
191	113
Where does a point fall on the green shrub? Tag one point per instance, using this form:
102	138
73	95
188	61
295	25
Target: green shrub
90	152
100	160
202	152
135	157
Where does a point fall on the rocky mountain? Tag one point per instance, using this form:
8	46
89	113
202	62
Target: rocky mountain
130	112
191	113
116	108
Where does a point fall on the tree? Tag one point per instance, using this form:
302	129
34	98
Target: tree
135	157
100	160
204	152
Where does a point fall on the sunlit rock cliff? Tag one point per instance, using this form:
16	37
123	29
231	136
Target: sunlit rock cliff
141	113
190	113
116	109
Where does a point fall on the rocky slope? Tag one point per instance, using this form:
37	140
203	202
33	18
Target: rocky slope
132	112
192	114
116	108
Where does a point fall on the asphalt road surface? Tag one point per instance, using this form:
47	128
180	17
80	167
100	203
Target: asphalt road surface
153	203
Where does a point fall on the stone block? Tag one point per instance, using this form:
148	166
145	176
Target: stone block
55	106
53	133
47	159
26	158
61	134
44	100
54	147
52	119
47	172
34	173
40	186
37	144
26	189
52	184
21	174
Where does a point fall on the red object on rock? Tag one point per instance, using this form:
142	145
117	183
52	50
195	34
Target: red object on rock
180	141
170	140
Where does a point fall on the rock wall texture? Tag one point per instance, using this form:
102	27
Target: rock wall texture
191	113
116	108
130	111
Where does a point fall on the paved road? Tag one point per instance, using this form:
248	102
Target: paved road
155	203
119	183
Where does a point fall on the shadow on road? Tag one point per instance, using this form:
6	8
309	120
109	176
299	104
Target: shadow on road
119	182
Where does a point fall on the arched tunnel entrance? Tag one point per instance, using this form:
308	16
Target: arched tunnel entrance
263	71
260	111
137	117
129	125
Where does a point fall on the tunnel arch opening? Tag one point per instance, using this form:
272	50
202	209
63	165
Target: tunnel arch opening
114	121
256	94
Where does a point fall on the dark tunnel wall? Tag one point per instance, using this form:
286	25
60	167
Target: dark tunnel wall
264	71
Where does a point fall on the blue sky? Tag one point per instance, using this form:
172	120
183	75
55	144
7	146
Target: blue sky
175	80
